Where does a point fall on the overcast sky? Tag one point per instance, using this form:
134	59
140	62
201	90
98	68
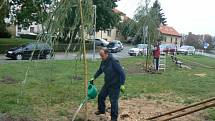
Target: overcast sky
196	16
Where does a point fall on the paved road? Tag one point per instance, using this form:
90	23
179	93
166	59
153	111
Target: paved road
71	56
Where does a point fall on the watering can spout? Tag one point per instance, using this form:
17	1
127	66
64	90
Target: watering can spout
92	91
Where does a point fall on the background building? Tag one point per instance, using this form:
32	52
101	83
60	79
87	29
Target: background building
170	35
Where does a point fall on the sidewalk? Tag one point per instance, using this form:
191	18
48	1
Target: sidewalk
206	54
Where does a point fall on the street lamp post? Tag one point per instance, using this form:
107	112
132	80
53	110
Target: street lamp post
94	32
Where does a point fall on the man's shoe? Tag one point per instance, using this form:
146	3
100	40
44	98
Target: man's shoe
98	112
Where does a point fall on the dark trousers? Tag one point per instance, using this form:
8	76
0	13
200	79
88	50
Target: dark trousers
113	93
156	63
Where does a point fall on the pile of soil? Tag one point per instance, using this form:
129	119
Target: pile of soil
140	110
140	67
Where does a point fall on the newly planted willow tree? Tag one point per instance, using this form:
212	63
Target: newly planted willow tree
65	21
147	21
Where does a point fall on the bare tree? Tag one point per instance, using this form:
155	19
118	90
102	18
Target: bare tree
194	40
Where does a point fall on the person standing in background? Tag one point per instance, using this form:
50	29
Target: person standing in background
156	55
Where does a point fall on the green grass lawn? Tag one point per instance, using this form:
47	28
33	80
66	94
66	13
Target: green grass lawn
50	89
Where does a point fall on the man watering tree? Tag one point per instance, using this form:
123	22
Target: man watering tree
114	80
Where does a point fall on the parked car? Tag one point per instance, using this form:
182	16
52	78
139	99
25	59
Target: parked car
101	42
119	43
167	48
113	47
39	50
163	49
138	50
171	48
146	48
186	50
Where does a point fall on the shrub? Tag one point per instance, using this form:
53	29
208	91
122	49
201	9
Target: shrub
28	36
5	35
74	47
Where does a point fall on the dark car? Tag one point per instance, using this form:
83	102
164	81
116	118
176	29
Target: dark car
113	47
38	50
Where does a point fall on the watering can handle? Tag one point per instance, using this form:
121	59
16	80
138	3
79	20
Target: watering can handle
91	81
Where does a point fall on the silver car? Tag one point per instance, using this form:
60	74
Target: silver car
119	43
186	50
138	50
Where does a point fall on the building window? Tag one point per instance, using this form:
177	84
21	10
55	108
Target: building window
32	29
176	40
165	38
109	32
19	29
25	28
171	39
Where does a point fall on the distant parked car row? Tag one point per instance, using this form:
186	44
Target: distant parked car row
141	49
171	48
44	51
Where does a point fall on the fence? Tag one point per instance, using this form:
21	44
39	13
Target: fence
57	48
199	51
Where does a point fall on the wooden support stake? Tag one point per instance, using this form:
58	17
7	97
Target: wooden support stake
183	108
84	58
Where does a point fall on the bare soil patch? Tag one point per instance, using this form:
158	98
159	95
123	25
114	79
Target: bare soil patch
140	67
135	68
140	110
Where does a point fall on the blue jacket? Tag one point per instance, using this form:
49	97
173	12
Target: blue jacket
114	74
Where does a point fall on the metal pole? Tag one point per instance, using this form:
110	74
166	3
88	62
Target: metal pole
94	32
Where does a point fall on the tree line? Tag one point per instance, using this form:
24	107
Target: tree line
28	12
198	41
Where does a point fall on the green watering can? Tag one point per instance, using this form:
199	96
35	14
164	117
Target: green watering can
92	91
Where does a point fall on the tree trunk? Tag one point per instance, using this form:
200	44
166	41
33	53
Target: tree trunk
3	12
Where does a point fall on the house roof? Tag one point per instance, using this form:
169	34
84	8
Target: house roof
126	18
169	31
123	14
117	11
